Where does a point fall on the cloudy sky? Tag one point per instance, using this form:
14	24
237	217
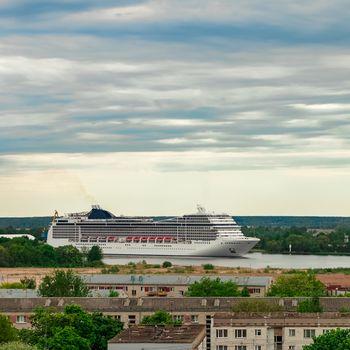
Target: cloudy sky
152	106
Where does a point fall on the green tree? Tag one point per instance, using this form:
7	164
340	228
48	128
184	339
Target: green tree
209	287
7	331
95	255
105	328
310	305
167	264
74	327
63	284
159	318
69	256
297	285
17	346
245	292
252	305
67	339
337	339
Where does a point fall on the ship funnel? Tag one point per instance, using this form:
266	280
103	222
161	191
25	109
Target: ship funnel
201	209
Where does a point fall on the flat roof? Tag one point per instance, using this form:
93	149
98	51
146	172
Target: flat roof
281	319
160	334
256	281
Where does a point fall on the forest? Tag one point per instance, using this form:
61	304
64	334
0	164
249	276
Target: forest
22	252
302	240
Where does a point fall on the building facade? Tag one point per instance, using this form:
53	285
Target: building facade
271	331
139	286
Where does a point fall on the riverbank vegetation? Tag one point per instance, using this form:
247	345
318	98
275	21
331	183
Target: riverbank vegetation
21	252
301	240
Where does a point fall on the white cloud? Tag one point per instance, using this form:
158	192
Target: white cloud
324	107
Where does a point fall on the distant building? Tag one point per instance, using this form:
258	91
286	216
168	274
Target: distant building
190	337
17	236
336	284
169	285
271	331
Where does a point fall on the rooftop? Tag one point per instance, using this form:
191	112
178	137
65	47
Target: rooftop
338	279
256	281
284	319
161	334
149	304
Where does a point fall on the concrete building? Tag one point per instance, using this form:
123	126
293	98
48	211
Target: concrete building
169	285
191	311
271	331
189	337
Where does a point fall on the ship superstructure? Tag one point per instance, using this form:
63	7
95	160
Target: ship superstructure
200	234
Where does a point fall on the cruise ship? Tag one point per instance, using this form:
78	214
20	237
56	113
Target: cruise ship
203	234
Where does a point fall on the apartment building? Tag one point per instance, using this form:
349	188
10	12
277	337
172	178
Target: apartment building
193	311
168	285
271	331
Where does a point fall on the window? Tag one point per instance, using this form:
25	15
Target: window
133	292
132	319
221	347
194	318
117	317
20	319
325	331
240	333
221	333
309	333
178	318
257	347
291	347
291	332
240	347
258	332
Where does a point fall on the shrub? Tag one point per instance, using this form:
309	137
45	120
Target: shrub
12	285
110	269
208	267
255	306
167	264
113	294
310	305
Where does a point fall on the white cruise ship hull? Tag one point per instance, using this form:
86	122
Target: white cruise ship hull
217	248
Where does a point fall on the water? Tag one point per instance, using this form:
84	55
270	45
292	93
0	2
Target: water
253	260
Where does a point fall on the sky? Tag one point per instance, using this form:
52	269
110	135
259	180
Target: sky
150	107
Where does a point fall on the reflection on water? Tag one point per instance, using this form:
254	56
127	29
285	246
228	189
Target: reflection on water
253	260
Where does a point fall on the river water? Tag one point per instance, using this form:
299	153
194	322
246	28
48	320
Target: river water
253	260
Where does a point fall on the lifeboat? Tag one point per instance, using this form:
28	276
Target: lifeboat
110	239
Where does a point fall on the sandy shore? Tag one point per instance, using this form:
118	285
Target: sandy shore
17	273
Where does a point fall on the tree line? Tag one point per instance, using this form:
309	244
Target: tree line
23	252
278	239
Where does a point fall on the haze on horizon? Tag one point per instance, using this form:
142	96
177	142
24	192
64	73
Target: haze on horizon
148	107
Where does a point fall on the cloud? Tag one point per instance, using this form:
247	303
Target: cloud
163	87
